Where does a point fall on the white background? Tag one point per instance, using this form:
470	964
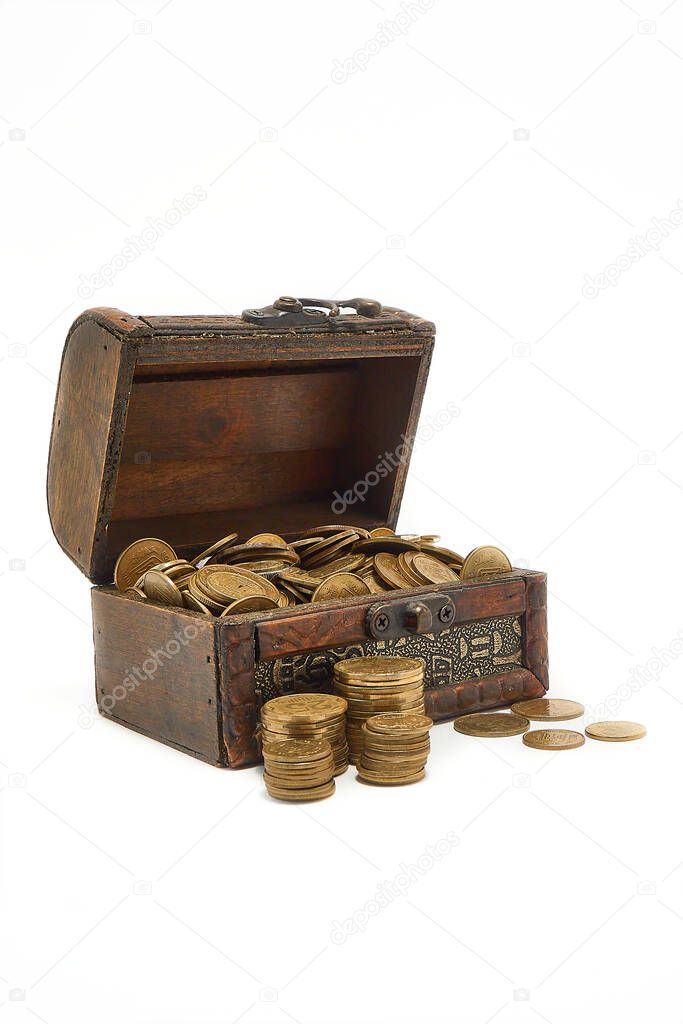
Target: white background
477	168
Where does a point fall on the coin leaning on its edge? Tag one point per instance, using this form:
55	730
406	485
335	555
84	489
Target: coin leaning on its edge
616	732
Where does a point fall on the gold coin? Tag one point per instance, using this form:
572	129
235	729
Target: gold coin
268	538
316	793
293	769
263	566
259	552
136	591
431	570
546	709
388	743
394	753
215	549
283	781
409	760
261	585
340	585
394	545
305	707
334	732
225	583
382	531
397	724
361	715
382	699
299	779
361	688
322	549
553	739
378	669
403	765
347	563
337	528
484	562
158	587
194	604
442	554
388	569
249	604
138	558
616	732
405	567
398	780
490	725
295	750
193	590
375	585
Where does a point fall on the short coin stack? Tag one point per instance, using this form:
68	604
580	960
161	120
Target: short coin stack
376	685
307	716
299	769
395	749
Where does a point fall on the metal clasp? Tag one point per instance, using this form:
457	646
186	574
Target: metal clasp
431	613
289	311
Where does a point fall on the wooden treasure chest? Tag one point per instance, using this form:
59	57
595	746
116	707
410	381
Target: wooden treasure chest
186	428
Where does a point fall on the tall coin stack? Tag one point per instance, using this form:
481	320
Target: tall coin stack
395	749
376	685
307	716
299	769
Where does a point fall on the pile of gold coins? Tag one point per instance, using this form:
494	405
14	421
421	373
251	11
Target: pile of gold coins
376	685
265	572
379	706
395	749
307	716
299	769
516	722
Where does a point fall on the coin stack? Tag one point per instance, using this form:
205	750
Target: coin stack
374	685
395	749
299	769
307	716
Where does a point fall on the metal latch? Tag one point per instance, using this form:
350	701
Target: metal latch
431	613
288	311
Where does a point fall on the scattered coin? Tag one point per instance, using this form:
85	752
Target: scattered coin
616	732
548	709
490	725
553	739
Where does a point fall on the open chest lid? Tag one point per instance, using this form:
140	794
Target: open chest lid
189	428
